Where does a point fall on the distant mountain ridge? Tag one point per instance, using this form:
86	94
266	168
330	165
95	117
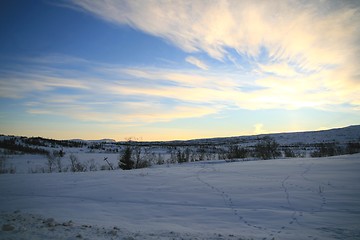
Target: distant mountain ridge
339	135
344	134
106	140
322	143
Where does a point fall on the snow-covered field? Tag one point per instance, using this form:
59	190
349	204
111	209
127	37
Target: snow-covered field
301	198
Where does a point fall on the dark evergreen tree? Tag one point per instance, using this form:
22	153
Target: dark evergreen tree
125	161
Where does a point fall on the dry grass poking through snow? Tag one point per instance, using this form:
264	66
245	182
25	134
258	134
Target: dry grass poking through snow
18	225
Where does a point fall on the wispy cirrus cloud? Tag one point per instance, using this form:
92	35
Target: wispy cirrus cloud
299	51
279	69
116	95
311	32
197	62
15	84
107	93
220	60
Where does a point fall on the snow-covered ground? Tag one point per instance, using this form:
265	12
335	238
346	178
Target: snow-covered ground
301	198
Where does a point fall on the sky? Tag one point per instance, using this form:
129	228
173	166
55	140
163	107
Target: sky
166	70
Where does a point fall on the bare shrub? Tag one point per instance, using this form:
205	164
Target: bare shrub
92	165
3	166
76	166
267	148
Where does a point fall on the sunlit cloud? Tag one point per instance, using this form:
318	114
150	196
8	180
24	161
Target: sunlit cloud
258	128
280	70
284	55
304	53
118	95
15	84
308	32
197	62
142	95
119	112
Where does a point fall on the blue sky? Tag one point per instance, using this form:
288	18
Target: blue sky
163	70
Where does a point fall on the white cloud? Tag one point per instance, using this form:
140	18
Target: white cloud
19	83
197	62
141	95
311	47
279	69
306	31
259	128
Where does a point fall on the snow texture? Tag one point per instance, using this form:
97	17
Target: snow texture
317	198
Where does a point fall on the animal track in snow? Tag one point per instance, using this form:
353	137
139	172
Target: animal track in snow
229	204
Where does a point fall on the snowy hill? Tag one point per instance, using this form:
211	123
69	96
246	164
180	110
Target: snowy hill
341	135
105	140
31	155
301	198
205	197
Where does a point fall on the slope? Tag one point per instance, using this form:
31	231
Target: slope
275	199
